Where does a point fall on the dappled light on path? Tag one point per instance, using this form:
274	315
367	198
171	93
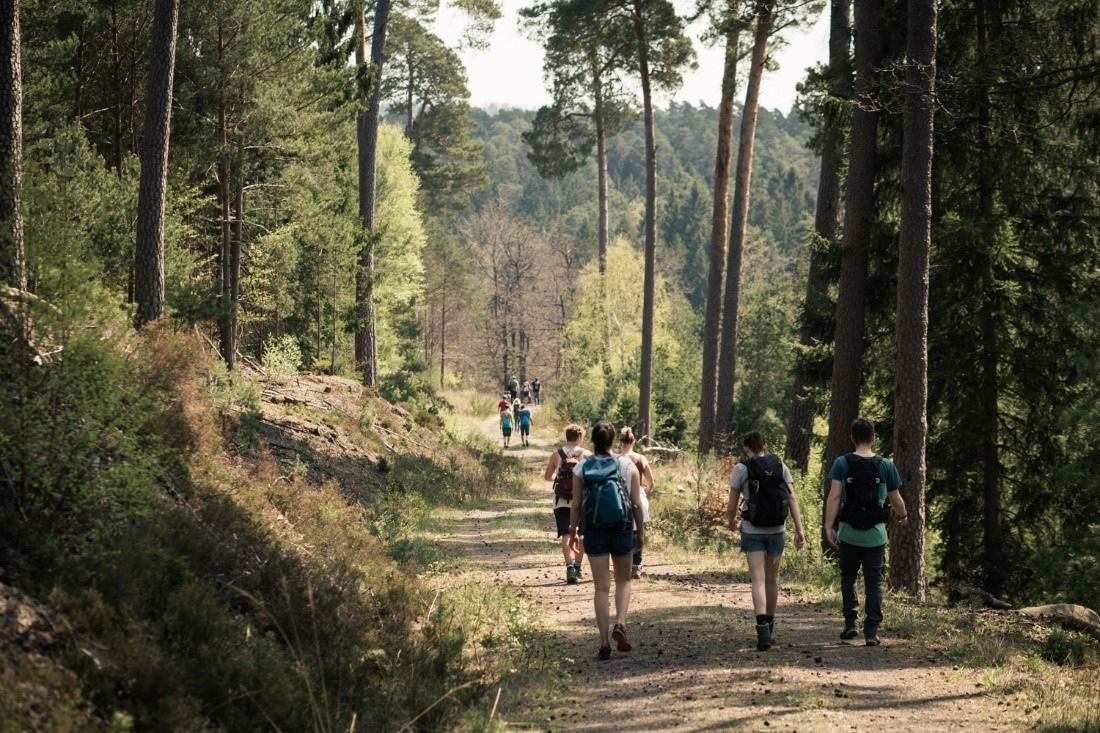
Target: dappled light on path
694	666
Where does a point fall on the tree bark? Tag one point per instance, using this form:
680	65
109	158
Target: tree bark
12	266
153	185
739	219
645	380
858	214
911	353
723	160
604	235
800	422
227	346
366	342
992	561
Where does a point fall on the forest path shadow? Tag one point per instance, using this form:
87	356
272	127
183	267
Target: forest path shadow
695	666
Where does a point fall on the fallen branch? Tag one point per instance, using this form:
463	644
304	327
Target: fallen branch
987	598
1068	616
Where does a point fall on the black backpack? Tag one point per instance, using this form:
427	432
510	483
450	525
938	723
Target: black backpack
767	496
861	507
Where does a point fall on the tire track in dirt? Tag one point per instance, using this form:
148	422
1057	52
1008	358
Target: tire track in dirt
694	666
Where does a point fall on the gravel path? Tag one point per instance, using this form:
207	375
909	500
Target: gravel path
694	666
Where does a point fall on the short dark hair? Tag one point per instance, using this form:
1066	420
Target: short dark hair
755	442
573	432
603	436
863	431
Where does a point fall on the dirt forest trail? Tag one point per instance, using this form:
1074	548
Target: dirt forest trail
694	666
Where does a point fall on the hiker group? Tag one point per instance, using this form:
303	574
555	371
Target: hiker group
601	507
514	409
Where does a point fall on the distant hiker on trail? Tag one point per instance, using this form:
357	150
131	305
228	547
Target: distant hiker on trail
536	388
606	503
860	486
761	485
504	404
506	425
645	472
524	422
526	393
513	388
560	470
516	407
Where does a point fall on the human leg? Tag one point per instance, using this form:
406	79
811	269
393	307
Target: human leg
771	584
874	564
622	566
756	561
601	581
850	558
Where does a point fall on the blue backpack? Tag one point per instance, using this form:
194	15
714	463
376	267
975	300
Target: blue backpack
606	503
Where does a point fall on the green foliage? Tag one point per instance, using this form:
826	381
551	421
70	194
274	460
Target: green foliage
282	357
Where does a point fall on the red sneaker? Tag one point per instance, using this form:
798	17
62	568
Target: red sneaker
618	633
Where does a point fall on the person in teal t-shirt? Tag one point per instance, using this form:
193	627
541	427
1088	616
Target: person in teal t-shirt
862	547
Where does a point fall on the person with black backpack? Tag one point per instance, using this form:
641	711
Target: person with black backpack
607	504
762	491
862	489
559	470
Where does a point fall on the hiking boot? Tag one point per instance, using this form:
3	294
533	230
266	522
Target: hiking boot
577	567
763	637
618	633
571	574
870	637
849	632
635	572
605	652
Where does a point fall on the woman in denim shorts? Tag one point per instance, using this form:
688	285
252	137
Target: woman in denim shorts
610	551
763	546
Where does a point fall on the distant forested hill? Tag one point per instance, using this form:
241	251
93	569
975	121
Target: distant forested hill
784	185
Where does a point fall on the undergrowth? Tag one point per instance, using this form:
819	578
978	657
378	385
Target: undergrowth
202	583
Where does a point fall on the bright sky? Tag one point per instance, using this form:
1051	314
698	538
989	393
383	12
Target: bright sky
509	72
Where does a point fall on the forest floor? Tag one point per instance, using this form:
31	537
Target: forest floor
694	666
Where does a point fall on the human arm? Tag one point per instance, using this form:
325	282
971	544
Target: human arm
636	500
575	509
796	513
552	466
647	478
832	508
898	505
734	502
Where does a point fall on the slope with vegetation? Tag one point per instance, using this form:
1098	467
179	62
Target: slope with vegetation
188	548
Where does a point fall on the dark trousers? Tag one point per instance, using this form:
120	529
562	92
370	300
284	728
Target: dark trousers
873	562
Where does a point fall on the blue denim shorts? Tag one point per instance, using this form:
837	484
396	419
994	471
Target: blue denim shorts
771	543
602	542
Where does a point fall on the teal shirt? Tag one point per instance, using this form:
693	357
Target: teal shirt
891	481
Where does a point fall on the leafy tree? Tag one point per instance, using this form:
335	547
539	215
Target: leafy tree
425	84
661	50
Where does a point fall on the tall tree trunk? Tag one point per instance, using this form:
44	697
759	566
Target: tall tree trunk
366	342
723	160
604	236
152	188
911	354
858	214
12	266
116	91
645	380
992	550
235	251
739	219
803	410
226	257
